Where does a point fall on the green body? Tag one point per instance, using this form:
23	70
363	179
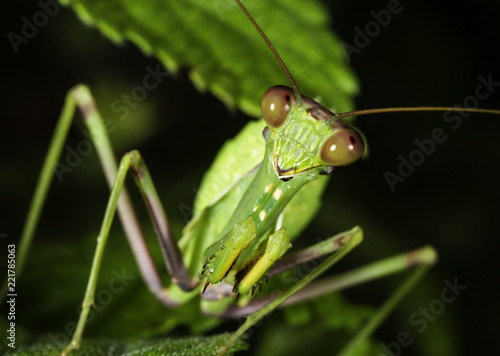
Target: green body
239	181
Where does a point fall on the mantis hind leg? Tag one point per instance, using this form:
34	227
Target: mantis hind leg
119	200
131	161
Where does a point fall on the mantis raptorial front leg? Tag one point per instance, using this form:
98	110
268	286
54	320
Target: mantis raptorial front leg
422	259
221	260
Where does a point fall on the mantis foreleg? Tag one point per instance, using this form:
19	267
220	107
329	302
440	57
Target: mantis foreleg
350	242
422	258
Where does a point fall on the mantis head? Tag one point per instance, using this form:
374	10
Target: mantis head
307	135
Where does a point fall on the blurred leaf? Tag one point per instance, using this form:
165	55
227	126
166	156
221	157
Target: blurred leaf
326	308
308	336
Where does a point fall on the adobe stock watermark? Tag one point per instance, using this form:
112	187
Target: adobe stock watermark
380	20
30	27
103	297
426	147
123	105
420	320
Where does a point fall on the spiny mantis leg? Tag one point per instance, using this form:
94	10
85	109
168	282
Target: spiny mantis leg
423	258
379	269
352	239
318	250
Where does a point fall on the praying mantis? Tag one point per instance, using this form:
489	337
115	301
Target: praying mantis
374	119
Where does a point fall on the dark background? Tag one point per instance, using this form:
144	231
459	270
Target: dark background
432	53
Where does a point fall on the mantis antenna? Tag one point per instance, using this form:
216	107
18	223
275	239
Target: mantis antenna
276	54
414	108
355	112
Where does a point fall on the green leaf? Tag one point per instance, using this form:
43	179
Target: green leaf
188	346
224	53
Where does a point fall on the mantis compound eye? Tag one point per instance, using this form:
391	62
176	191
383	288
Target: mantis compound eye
345	146
276	104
